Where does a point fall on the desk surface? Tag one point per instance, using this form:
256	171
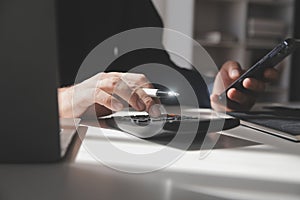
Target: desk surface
245	164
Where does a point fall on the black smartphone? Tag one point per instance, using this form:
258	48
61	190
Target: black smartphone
270	60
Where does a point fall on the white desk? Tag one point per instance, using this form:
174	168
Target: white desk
269	170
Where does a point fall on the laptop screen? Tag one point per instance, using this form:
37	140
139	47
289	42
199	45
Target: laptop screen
28	59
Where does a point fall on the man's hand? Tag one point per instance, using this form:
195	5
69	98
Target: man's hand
231	71
108	91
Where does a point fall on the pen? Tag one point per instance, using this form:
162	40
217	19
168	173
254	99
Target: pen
160	93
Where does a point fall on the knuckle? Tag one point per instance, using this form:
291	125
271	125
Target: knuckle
106	100
133	97
147	100
142	78
101	98
97	93
114	81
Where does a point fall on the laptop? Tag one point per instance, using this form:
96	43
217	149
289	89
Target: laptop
280	120
30	127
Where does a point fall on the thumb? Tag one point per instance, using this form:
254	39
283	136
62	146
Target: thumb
233	69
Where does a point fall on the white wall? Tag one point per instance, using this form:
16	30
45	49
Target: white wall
177	15
161	7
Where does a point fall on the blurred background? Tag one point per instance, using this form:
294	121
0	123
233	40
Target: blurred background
240	30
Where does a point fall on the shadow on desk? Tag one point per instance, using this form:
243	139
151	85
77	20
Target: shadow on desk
213	140
75	144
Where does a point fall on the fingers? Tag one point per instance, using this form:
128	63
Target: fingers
147	100
115	86
228	73
216	105
254	85
129	86
152	104
239	97
136	82
240	101
107	100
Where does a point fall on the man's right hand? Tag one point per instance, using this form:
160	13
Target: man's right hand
104	90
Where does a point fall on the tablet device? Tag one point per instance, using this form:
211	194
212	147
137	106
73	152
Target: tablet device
145	126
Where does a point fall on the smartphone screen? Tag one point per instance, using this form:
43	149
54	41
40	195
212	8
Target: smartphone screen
270	60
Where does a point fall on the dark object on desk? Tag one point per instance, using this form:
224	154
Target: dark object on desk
214	140
280	121
144	126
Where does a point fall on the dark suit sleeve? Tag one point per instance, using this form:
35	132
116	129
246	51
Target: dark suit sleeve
143	14
85	24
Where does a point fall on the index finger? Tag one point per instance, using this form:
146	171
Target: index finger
148	101
137	82
115	86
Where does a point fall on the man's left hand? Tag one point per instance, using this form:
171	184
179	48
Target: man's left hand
231	71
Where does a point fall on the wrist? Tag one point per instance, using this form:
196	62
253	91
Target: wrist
65	102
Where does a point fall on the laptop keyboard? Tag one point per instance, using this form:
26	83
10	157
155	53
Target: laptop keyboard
279	118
